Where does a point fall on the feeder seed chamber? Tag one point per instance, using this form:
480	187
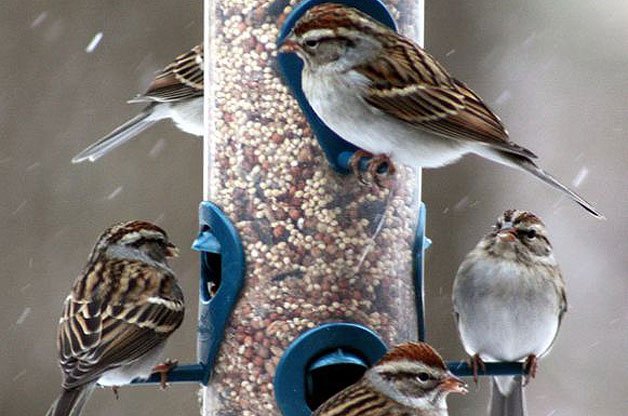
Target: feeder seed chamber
306	275
329	274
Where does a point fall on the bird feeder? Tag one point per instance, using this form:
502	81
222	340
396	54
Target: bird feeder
330	270
306	274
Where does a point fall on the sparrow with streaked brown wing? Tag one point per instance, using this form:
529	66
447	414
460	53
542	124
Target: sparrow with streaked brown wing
120	312
382	92
175	93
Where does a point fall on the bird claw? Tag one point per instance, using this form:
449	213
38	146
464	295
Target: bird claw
531	367
477	364
378	169
354	164
115	391
381	169
163	369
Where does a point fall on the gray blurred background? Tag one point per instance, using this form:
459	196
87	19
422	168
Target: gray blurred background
556	72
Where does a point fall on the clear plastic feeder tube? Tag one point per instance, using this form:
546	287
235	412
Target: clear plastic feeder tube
319	246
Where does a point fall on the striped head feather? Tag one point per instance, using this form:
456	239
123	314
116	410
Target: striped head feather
521	236
138	236
336	19
414	351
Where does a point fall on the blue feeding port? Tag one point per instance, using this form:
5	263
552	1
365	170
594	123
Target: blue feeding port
337	150
321	362
221	280
330	373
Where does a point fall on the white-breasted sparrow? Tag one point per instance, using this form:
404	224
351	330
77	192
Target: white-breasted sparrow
122	308
175	93
410	380
509	299
382	92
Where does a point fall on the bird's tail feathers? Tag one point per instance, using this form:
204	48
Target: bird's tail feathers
507	397
505	384
70	402
527	165
119	136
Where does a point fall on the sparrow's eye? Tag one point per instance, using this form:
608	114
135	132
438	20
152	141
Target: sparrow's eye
423	377
531	234
311	43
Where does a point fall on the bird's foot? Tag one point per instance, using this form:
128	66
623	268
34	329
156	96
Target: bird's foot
531	366
163	369
354	164
477	364
381	169
115	391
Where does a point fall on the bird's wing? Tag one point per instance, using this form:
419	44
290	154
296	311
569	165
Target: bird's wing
407	83
351	401
562	309
181	79
457	319
106	329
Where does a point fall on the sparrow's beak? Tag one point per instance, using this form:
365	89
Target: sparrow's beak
289	45
171	250
507	234
453	384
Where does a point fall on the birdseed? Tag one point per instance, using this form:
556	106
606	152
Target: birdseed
319	246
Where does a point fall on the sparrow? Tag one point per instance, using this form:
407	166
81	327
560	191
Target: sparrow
509	301
121	310
175	93
383	93
410	380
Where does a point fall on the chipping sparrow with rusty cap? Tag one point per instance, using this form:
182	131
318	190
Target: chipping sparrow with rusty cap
120	312
411	379
175	93
509	300
386	95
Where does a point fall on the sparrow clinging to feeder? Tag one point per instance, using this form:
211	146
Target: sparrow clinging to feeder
382	92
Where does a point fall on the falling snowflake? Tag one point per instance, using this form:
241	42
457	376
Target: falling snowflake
23	316
115	193
94	43
39	19
580	177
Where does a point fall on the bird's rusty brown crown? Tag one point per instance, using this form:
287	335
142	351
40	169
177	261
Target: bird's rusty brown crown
415	351
333	16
